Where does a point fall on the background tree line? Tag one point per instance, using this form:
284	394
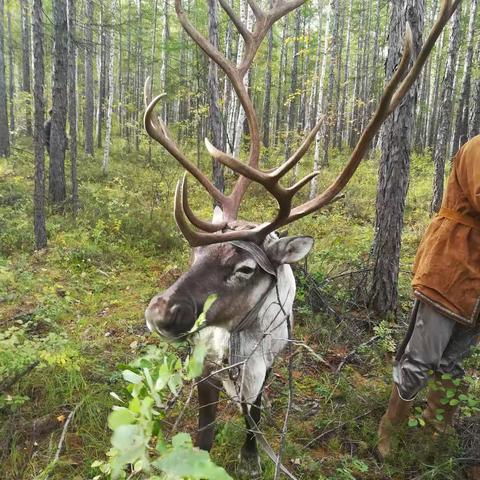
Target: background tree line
87	61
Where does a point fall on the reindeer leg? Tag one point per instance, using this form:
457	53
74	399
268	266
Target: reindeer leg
208	394
250	466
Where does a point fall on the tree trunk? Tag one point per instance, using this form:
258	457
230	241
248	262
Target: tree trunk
11	81
108	131
293	98
432	117
247	17
128	95
316	155
39	227
343	101
4	133
215	120
394	165
461	126
89	103
355	120
72	101
281	79
445	120
330	111
101	69
58	139
164	67
26	61
268	92
311	107
475	110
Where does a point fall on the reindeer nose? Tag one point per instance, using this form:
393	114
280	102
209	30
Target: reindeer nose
169	317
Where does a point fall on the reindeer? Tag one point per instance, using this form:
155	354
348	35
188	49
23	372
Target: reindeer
248	265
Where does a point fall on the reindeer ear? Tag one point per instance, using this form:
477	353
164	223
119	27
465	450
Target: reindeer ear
289	249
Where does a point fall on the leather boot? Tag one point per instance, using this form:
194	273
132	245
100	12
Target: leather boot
397	413
435	407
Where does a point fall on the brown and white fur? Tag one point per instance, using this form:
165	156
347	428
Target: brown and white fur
240	284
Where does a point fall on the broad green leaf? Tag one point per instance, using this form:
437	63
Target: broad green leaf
413	422
191	463
182	440
131	377
120	416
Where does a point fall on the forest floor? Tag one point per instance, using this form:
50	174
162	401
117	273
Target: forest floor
77	309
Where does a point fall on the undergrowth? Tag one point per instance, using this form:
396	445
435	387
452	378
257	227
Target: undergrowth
71	314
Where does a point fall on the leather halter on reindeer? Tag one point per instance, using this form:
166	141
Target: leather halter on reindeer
244	264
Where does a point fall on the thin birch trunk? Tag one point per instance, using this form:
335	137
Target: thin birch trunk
89	102
321	80
108	132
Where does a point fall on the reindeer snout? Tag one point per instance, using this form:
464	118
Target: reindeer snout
170	317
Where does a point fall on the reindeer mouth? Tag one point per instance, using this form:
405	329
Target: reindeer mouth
173	323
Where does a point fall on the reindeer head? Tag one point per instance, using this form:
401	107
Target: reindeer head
235	260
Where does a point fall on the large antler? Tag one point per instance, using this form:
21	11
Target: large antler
392	96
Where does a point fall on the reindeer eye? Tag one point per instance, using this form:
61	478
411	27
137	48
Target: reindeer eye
245	270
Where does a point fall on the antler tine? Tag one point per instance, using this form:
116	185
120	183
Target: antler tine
299	153
159	132
201	224
393	94
241	27
235	75
195	238
364	142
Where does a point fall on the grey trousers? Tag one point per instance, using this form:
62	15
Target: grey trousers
434	343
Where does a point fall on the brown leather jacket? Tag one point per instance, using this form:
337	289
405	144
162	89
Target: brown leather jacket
447	265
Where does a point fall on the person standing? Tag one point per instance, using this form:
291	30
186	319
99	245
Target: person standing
445	321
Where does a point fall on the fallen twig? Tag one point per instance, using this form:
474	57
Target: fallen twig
331	430
353	352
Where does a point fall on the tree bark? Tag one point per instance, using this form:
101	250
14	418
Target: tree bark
445	120
72	101
108	130
164	67
89	102
293	97
215	120
39	226
475	110
343	101
102	73
268	93
461	126
316	155
11	81
433	111
58	139
281	79
4	133
330	111
26	61
394	166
